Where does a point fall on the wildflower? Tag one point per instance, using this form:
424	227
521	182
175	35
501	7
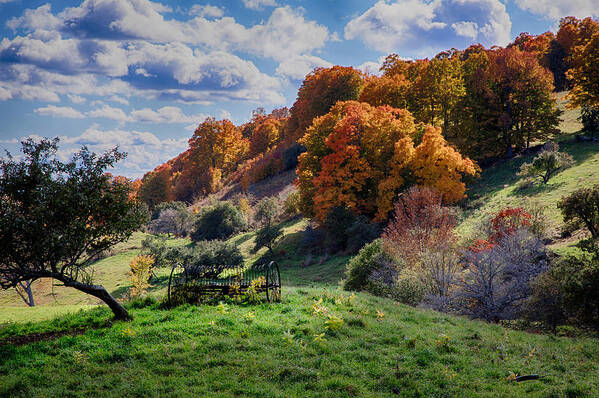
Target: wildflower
379	315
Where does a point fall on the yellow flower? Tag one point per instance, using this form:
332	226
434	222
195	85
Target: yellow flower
379	315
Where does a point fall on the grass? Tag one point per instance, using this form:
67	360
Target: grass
110	272
498	185
284	350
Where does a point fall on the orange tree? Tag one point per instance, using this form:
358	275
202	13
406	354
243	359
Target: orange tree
360	157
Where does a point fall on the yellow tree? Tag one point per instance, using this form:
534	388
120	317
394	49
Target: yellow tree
360	157
584	74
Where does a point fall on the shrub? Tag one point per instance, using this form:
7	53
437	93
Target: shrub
141	271
167	205
172	221
291	205
408	288
546	164
589	116
361	232
267	211
577	279
157	247
499	277
420	222
347	232
581	208
546	303
213	253
218	221
439	269
313	239
267	236
538	221
337	223
360	268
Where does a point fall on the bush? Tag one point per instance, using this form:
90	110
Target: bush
361	232
581	208
347	232
589	116
291	204
267	236
213	253
140	273
578	280
172	221
420	222
167	205
546	164
499	276
157	247
218	221
267	211
313	239
408	288
337	223
546	303
370	258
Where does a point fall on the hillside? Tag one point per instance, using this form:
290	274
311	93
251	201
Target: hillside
283	350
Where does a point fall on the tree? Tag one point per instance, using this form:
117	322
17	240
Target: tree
172	221
546	164
267	212
320	90
521	106
420	222
214	151
581	207
584	74
218	221
360	157
589	116
155	187
499	280
140	273
57	217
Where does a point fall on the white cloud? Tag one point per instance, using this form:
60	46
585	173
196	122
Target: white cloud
76	99
108	112
259	4
372	67
424	27
144	149
166	114
556	9
466	29
207	11
60	111
120	100
298	67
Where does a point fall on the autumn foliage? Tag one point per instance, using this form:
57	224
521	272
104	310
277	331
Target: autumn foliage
420	222
360	157
504	223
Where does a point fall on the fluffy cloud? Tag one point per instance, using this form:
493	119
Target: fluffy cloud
144	149
166	114
60	111
108	112
556	9
298	67
146	54
206	11
423	27
259	4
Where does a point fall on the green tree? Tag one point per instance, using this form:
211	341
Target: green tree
545	165
219	221
57	217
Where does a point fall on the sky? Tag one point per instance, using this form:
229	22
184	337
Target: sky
143	74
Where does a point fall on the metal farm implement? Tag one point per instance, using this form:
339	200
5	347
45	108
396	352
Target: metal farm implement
209	281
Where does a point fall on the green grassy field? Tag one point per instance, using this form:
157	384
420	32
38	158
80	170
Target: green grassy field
286	350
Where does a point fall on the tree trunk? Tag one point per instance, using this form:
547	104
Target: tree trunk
27	289
100	292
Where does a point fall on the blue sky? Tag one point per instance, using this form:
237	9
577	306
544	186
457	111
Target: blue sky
143	74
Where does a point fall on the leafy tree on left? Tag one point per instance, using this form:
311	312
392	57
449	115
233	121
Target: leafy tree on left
56	217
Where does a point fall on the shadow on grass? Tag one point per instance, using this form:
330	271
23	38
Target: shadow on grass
536	189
